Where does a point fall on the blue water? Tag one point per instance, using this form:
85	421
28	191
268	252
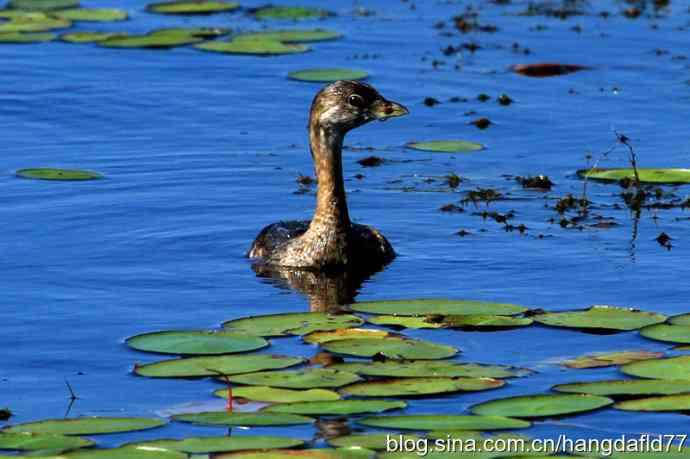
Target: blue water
201	150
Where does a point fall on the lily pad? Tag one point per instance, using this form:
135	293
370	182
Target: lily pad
197	445
530	406
21	38
624	387
293	35
374	441
320	453
601	317
192	7
485	321
327	74
29	441
58	174
414	322
278	395
33	23
196	342
547	70
392	348
164	38
344	333
668	176
213	366
292	13
444	422
668	333
674	368
677	402
92	14
304	379
446	146
337	407
608	359
127	452
42	5
90	37
682	319
424	368
299	323
436	306
252	46
86	425
406	387
224	418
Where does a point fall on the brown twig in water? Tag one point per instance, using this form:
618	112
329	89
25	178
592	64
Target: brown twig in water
226	378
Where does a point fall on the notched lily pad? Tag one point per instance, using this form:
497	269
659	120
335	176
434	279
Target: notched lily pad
224	418
22	38
647	175
446	146
601	317
291	13
535	406
305	379
58	174
547	70
626	387
436	306
199	445
90	37
674	368
391	348
87	425
344	333
192	7
608	359
42	5
485	322
29	441
430	368
300	323
213	366
677	402
93	14
323	75
444	422
337	407
278	395
412	387
199	342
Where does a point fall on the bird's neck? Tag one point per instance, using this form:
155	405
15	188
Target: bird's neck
331	205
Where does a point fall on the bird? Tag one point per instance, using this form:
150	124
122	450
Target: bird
330	241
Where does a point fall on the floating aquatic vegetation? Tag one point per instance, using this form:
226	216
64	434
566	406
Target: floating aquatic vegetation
327	74
608	359
409	321
126	452
344	333
42	5
297	323
320	453
196	342
214	366
34	22
547	70
30	441
481	123
534	406
677	402
601	317
673	368
406	387
252	45
668	333
682	319
92	14
86	425
293	35
485	322
374	441
289	13
90	37
20	38
427	368
646	175
337	407
626	387
164	38
391	348
302	379
446	146
224	418
436	306
5	414
537	182
444	422
192	7
198	445
277	395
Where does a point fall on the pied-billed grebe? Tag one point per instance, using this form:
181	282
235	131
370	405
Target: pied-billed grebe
330	240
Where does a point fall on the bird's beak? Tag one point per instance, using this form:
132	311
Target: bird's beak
383	109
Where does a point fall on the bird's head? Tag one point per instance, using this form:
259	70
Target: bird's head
345	105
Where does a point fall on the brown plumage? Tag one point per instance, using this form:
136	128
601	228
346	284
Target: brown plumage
330	240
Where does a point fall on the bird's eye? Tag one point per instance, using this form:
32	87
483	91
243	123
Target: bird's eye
356	100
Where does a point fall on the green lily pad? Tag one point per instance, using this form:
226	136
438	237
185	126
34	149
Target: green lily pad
21	38
443	422
601	317
436	306
337	407
608	359
33	23
57	174
682	319
485	321
668	176
196	342
673	453
374	441
392	348
304	379
278	395
127	452
529	406
224	418
42	5
414	322
164	38
405	387
197	445
215	365
320	453
192	7
292	13
86	425
299	323
93	14
323	75
677	402
674	368
29	441
344	333
292	36
626	387
252	46
90	37
446	146
668	333
425	368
